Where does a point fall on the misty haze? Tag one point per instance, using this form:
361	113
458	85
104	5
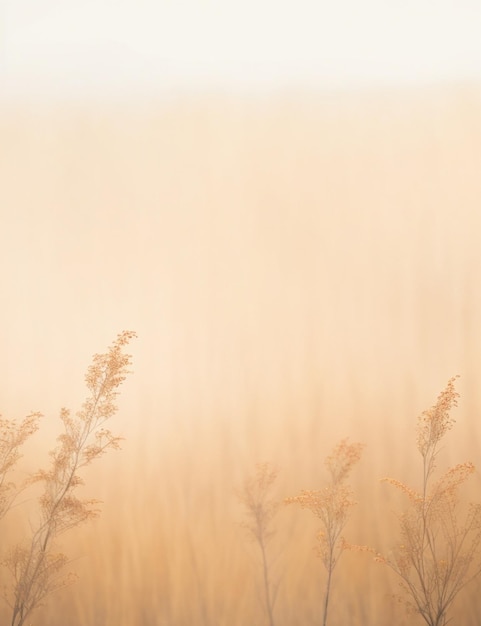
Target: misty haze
299	268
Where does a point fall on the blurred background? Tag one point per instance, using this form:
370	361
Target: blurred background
283	201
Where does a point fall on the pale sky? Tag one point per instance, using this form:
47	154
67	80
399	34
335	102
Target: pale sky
61	47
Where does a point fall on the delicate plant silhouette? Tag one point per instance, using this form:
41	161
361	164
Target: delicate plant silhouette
332	505
260	508
435	558
36	567
12	438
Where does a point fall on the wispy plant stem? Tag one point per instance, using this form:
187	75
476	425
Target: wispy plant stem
331	505
326	595
260	509
267	588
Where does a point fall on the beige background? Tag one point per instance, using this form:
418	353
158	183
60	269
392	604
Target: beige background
298	268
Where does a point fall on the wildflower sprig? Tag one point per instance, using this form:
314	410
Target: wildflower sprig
438	552
332	505
36	567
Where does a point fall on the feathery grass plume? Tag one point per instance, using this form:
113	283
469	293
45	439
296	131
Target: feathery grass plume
12	438
332	505
439	547
260	509
36	568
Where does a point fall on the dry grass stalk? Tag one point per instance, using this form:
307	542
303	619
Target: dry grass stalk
439	545
260	508
332	505
36	568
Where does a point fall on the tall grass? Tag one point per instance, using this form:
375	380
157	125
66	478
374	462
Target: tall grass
144	577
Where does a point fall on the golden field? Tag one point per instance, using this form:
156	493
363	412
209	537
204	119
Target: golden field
298	268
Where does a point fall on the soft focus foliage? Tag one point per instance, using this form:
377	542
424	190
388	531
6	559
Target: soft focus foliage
259	505
12	437
260	509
